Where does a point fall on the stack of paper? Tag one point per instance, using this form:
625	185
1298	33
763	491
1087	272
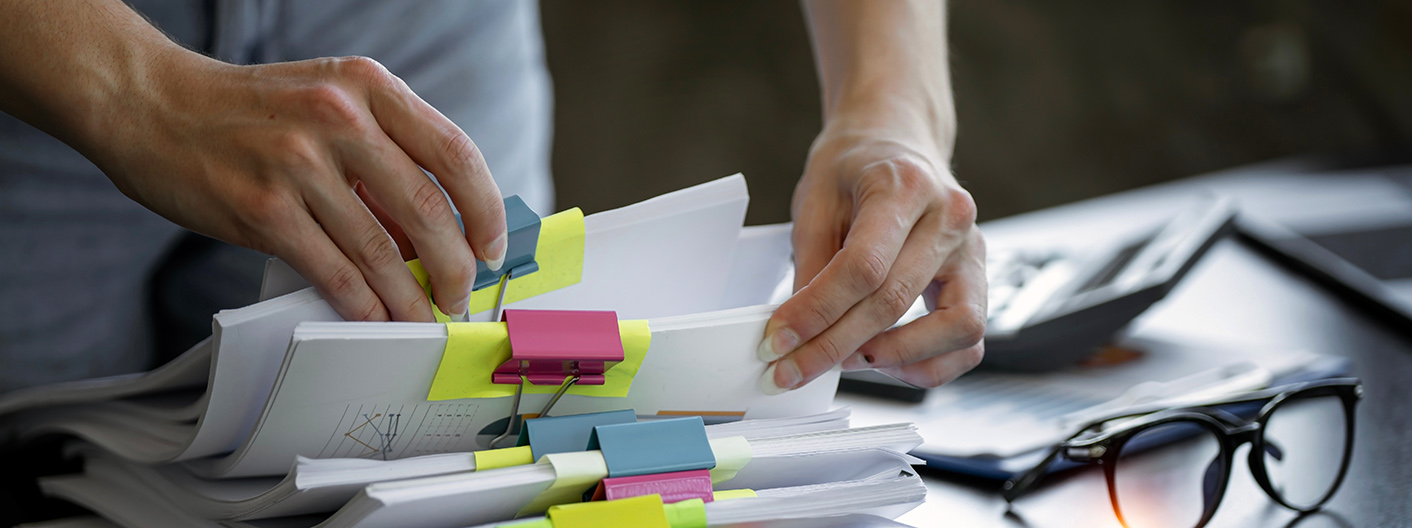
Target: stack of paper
680	253
828	472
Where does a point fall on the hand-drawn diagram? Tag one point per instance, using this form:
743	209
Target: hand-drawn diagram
389	432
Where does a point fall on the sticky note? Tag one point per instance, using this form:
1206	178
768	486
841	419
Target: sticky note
636	512
574	473
732	453
499	458
559	254
734	494
537	523
686	514
475	350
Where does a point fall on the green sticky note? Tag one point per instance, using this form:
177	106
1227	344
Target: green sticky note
499	458
475	350
574	473
733	494
559	255
732	453
643	511
690	513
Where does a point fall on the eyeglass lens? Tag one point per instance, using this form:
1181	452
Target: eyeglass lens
1305	439
1166	474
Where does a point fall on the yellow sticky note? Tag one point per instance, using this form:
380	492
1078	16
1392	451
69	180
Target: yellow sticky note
733	494
475	350
574	473
559	255
732	453
643	511
499	458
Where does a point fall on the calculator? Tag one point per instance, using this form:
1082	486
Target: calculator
1049	308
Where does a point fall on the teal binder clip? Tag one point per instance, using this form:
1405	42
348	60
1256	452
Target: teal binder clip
567	434
656	446
522	226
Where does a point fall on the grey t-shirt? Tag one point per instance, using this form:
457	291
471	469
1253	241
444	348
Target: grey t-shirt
76	256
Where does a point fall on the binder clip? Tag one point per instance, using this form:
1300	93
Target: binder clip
522	240
671	458
567	434
556	347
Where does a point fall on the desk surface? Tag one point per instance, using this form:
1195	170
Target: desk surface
1232	296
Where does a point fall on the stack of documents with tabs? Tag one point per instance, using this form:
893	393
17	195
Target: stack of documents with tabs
817	469
285	383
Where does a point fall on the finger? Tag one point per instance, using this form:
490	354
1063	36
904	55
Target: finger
415	203
404	244
956	322
303	244
854	272
939	370
816	237
364	241
436	143
923	253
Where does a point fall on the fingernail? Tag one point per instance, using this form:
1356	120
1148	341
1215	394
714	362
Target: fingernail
857	361
777	345
461	313
779	378
767	383
497	252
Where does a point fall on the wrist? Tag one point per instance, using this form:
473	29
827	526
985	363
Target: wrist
924	122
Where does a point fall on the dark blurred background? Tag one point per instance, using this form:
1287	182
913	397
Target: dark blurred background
1057	101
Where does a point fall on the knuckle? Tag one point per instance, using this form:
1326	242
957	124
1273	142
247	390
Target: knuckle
462	157
912	178
960	208
378	251
830	349
343	282
974	355
970	325
868	270
364	69
368	311
429	204
413	304
332	105
896	298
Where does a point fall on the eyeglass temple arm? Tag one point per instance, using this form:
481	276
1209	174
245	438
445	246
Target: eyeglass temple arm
1015	487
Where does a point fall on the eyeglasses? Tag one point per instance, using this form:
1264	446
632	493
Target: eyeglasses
1171	468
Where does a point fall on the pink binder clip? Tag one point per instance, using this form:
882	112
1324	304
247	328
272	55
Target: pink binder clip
548	347
556	347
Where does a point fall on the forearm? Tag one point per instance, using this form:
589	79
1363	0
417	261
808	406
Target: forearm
882	65
69	67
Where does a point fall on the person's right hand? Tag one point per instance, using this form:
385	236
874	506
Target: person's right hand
318	162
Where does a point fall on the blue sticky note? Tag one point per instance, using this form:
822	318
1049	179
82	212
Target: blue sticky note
656	446
568	434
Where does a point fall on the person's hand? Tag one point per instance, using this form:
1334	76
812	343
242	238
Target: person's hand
878	221
318	162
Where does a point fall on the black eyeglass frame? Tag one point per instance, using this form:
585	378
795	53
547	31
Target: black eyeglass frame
1104	447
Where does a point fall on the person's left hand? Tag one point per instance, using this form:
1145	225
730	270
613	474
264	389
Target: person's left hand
878	221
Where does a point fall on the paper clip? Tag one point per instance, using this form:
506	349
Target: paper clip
560	347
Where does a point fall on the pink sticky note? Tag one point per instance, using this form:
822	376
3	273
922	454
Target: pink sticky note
673	487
